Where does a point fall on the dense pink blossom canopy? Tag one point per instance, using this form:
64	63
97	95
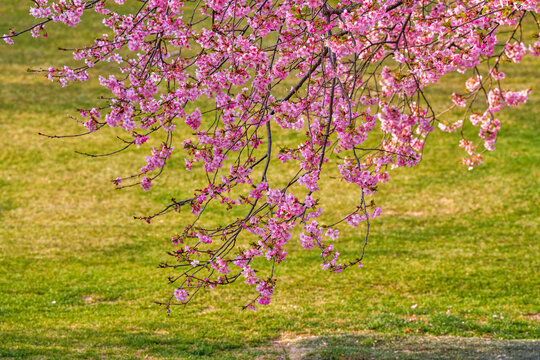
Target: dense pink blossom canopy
225	79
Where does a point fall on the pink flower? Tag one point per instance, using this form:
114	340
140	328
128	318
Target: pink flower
459	100
146	184
332	233
204	238
194	119
139	140
7	39
473	83
497	75
515	51
180	295
515	98
355	219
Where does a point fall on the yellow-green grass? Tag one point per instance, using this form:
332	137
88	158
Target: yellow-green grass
79	277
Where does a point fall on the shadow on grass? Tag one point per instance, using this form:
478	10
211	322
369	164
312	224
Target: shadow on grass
372	346
88	344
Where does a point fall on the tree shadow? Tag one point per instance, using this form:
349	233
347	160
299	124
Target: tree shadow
89	344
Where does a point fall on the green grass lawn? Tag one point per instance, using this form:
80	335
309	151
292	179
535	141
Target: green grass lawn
452	268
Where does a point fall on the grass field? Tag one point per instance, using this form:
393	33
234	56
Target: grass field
452	269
